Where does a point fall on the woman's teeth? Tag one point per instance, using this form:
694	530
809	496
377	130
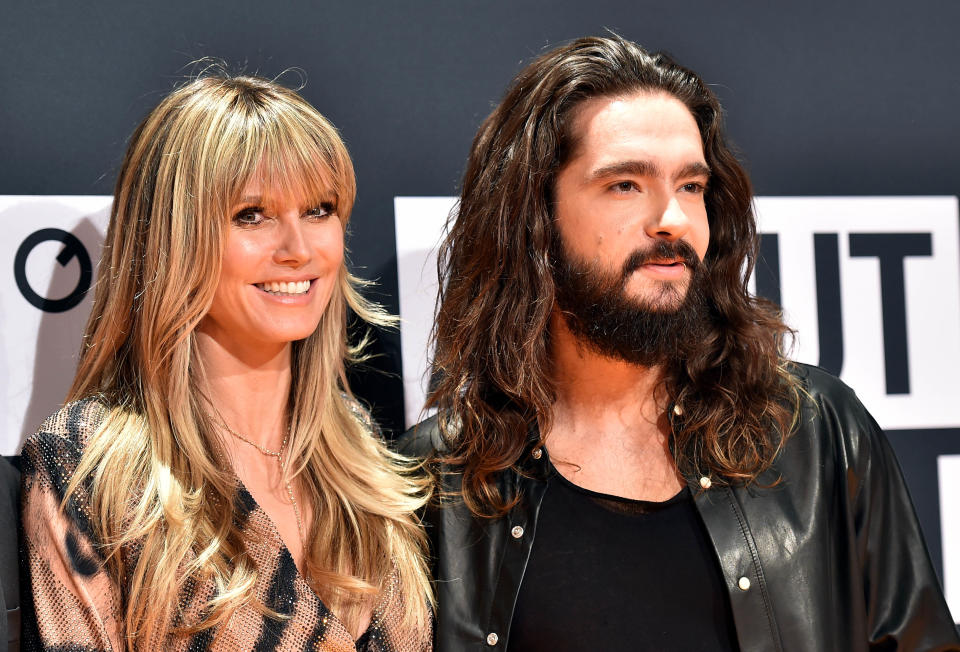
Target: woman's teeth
282	287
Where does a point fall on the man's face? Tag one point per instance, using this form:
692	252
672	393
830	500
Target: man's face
631	227
637	178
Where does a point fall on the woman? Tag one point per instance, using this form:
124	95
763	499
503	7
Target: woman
212	484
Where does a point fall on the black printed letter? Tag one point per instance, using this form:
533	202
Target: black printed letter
891	249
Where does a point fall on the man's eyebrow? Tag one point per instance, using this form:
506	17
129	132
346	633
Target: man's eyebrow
642	168
697	169
638	168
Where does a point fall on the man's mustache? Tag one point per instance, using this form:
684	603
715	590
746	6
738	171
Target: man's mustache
677	250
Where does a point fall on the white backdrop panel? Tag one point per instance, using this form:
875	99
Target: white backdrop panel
932	297
419	226
38	354
948	470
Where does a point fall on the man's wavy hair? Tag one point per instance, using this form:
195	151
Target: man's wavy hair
492	365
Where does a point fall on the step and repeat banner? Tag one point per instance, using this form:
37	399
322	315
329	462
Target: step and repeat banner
845	115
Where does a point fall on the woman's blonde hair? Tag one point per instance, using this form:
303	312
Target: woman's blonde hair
185	166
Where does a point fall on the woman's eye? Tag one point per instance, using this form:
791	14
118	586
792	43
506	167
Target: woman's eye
249	216
323	210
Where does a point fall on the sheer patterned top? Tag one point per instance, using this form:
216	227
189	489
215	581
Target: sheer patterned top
72	603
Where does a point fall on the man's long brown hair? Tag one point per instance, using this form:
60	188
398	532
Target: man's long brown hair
492	364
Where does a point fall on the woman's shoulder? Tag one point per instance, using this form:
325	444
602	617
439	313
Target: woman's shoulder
360	413
62	437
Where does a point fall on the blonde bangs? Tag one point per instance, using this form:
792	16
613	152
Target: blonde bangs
295	154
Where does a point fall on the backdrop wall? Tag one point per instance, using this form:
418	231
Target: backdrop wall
855	100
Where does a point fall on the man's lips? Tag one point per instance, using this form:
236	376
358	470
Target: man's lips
665	259
664	269
666	263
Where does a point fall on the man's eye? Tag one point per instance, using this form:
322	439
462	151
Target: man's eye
694	187
249	216
624	186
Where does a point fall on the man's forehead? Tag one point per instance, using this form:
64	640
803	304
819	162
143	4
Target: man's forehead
652	127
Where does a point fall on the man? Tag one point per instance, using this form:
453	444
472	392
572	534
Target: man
627	460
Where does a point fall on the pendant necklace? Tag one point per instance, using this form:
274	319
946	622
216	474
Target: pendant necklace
279	455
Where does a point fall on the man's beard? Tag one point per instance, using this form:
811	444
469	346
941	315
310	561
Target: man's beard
647	330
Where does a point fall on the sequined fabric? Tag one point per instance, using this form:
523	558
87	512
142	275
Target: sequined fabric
72	604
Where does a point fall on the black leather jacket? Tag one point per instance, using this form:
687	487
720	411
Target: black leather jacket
830	559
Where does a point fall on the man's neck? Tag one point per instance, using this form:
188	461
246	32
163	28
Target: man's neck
590	384
608	427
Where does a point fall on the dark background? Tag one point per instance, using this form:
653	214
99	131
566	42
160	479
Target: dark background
852	98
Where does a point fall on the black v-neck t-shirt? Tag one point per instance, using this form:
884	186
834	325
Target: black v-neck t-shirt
614	574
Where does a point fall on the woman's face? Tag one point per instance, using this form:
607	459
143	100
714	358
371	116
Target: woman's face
281	262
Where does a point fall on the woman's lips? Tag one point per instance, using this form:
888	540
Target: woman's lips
285	288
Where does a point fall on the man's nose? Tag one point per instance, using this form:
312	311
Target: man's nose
670	223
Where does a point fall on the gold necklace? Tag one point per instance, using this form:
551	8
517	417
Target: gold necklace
279	455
